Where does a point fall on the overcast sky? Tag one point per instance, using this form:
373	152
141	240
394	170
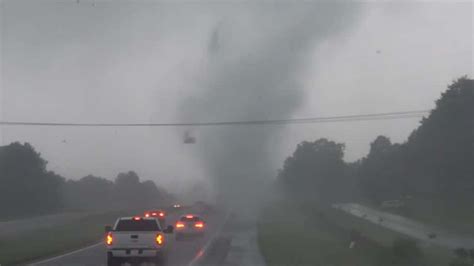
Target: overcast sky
140	61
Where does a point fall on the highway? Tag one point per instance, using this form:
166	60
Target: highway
185	252
408	227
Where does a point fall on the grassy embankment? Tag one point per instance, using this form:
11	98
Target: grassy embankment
293	235
41	243
453	216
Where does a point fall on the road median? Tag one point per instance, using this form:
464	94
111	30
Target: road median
321	235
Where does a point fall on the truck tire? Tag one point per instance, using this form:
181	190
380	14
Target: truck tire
111	261
160	260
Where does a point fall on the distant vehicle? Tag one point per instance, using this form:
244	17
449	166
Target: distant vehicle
190	225
158	214
432	235
177	206
136	239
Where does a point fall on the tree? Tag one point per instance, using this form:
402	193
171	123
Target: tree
150	192
316	171
440	153
25	184
27	187
380	173
438	158
89	192
128	179
129	192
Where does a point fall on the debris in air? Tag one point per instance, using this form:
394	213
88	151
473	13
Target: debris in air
188	138
214	41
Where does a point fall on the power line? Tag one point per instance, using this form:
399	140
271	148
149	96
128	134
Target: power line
309	120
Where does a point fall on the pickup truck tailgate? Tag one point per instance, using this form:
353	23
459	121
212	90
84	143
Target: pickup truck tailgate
135	240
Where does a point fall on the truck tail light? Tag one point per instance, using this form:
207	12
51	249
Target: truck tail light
160	239
109	239
199	225
179	225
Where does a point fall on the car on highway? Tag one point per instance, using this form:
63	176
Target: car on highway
136	240
189	225
158	214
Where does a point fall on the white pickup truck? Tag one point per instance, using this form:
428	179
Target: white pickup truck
136	240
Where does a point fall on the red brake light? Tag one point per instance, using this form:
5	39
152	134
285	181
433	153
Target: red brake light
137	218
199	225
160	239
153	214
109	239
147	215
189	216
179	225
162	214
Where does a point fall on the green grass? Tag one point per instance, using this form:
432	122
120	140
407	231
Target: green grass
291	238
23	215
433	255
315	235
33	245
453	216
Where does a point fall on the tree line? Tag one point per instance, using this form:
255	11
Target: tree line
437	160
28	188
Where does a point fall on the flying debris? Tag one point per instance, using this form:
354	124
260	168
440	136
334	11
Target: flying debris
214	42
188	138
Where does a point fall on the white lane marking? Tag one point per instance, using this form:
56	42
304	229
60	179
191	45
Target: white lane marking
204	249
66	254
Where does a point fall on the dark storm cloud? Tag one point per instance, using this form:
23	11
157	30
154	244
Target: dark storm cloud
180	61
258	80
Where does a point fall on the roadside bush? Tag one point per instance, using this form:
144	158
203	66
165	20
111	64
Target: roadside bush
406	250
461	253
403	252
463	257
460	262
